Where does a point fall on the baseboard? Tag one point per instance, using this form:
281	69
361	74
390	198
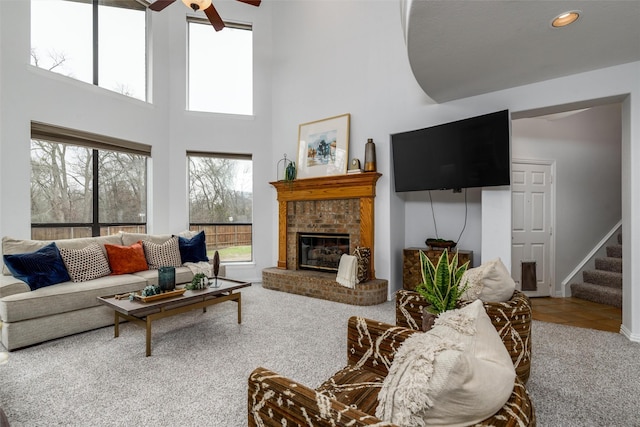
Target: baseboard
627	333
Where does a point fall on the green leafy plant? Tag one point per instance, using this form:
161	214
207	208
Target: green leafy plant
198	282
440	282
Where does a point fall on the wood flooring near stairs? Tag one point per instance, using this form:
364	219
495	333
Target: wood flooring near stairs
577	312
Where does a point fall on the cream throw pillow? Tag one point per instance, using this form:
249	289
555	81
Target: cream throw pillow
459	373
490	282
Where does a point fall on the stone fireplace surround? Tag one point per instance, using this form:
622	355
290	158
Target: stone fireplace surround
342	204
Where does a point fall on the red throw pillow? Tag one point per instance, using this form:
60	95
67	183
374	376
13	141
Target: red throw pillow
126	259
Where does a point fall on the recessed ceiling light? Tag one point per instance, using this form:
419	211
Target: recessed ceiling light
565	19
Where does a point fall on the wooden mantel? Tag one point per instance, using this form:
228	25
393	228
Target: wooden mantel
351	186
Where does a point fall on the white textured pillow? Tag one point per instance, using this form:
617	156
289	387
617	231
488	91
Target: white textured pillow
85	264
166	254
459	373
490	282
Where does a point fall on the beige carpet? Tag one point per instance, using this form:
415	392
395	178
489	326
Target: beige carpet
197	375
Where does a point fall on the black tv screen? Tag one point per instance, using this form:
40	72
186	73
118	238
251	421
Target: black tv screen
466	153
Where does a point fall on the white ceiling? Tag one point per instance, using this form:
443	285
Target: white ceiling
462	48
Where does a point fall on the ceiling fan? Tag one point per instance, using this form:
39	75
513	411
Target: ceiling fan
205	5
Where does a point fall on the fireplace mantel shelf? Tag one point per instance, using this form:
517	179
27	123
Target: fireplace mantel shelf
350	186
360	186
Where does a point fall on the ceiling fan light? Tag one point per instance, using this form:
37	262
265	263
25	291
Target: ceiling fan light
565	19
197	4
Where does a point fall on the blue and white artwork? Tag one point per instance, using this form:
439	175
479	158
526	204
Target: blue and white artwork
321	148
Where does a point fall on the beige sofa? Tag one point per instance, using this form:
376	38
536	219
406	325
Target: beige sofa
31	317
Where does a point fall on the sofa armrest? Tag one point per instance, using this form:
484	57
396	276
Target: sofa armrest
9	285
373	344
274	400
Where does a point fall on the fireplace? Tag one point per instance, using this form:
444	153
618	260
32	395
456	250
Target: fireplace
321	251
339	207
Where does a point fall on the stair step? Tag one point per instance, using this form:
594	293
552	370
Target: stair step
614	251
609	264
597	293
604	278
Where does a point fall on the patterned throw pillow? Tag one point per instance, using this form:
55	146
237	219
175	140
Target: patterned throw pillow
166	254
85	264
364	259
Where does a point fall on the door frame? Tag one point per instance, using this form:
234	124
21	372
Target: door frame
553	291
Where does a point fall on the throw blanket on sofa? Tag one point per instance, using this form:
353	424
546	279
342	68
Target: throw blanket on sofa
203	267
347	271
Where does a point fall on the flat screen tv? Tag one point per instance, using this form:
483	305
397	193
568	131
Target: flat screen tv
466	153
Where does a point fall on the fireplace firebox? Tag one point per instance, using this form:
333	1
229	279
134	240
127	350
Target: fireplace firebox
321	251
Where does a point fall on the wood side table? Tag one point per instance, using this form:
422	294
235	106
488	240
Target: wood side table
411	274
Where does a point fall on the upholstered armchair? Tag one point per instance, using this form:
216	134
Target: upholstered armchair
350	397
512	320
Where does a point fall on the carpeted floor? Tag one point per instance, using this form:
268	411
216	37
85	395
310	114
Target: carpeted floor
197	375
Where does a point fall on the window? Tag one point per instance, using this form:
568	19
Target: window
102	42
221	203
69	168
220	68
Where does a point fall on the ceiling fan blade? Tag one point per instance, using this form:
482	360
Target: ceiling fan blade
251	2
158	5
214	18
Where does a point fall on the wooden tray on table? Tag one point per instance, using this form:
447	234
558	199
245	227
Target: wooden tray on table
157	297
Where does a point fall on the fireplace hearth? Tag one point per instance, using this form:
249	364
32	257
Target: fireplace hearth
320	251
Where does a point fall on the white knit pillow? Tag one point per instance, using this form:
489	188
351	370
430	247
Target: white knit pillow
490	282
85	264
166	254
459	373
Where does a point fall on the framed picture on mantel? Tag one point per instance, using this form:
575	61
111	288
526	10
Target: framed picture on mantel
323	147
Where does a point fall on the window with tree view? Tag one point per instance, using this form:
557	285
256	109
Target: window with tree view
80	191
101	42
221	203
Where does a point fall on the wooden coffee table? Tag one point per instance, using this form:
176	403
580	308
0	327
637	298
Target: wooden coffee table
144	313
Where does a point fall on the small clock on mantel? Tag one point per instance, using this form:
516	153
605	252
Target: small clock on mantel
354	166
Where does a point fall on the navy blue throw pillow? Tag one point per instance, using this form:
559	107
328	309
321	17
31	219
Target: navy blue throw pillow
38	269
193	249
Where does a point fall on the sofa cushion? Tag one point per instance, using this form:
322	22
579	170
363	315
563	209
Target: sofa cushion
193	249
458	373
40	268
129	239
126	259
18	246
166	254
183	275
490	282
85	264
64	297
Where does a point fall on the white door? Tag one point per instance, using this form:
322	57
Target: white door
532	226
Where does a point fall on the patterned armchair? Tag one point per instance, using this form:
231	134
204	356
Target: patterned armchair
350	396
512	320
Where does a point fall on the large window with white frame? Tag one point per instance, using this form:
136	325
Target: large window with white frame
221	202
220	67
85	185
101	42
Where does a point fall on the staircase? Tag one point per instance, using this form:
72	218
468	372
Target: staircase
604	284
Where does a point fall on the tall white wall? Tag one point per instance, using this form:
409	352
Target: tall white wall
336	57
587	150
29	93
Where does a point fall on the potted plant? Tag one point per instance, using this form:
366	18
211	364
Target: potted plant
440	285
